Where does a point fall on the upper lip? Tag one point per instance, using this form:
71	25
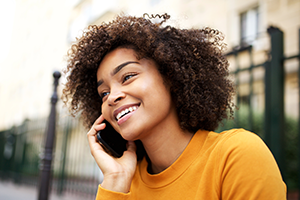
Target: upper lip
116	112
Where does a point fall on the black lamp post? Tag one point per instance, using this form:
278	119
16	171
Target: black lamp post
46	158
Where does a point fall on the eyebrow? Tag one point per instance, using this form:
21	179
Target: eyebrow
116	70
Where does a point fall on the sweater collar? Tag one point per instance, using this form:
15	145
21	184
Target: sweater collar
178	167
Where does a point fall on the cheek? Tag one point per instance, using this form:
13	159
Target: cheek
159	96
104	111
151	84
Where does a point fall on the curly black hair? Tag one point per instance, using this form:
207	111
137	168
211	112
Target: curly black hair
192	61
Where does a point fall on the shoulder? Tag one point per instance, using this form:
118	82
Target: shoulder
239	134
239	142
241	139
246	163
245	146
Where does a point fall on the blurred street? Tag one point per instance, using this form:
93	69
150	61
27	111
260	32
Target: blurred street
11	191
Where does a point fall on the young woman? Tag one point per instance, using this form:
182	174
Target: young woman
169	89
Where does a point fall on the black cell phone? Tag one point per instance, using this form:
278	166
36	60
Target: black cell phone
112	141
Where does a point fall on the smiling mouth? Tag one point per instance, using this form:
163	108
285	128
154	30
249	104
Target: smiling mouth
125	112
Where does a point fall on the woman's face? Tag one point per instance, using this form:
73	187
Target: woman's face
135	99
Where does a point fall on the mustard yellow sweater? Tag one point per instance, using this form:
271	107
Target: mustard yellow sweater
232	165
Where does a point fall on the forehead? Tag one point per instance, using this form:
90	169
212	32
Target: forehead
117	57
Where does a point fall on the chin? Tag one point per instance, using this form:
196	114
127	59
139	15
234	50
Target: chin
127	136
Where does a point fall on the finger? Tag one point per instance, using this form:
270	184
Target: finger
99	120
91	135
92	138
95	147
95	127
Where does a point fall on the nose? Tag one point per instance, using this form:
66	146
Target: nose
115	96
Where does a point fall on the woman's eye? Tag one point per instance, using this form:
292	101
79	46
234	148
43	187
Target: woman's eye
127	77
104	94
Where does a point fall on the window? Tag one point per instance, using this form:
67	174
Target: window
249	26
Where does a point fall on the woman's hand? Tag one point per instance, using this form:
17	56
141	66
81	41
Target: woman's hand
117	172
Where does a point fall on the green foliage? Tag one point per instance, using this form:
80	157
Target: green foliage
242	121
31	160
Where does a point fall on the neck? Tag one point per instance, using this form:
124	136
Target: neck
164	147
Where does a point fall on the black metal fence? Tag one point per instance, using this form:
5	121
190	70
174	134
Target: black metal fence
74	170
260	98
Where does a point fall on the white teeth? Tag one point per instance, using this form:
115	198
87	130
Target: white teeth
127	110
118	116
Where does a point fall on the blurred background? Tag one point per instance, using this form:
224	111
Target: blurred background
263	50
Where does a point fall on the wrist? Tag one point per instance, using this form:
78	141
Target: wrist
116	183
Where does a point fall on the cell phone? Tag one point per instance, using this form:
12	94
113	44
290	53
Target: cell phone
112	141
